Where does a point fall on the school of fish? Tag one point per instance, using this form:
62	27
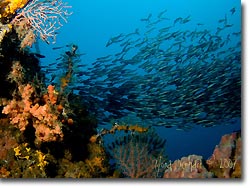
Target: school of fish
171	73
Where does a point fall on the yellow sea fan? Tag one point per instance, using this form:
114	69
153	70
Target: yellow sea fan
9	7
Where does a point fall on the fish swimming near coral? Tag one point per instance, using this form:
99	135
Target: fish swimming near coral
38	55
165	80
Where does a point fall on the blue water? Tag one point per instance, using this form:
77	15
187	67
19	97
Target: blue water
93	22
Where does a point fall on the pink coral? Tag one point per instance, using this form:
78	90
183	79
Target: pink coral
225	161
41	19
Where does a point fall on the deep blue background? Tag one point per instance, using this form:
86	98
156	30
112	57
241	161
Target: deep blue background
94	21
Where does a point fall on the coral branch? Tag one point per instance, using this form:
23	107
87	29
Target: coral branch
43	18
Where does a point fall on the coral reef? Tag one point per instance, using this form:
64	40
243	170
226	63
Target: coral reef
44	132
44	118
46	129
39	133
80	159
225	161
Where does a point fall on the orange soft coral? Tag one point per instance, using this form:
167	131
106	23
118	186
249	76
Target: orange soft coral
18	110
44	117
51	96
